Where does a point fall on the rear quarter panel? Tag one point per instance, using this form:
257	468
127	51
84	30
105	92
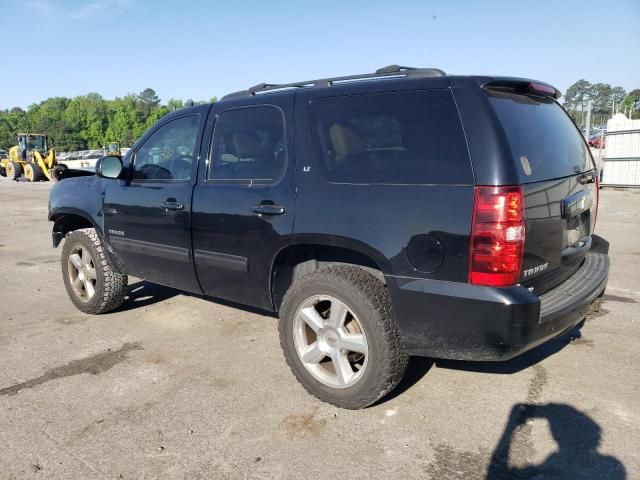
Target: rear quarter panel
380	220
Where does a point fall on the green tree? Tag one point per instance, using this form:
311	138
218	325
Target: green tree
89	121
148	101
600	95
123	120
156	115
631	104
174	104
11	123
575	100
86	117
48	117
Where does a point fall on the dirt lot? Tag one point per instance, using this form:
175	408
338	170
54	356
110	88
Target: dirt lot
176	386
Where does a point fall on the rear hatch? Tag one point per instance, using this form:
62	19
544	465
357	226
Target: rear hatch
558	177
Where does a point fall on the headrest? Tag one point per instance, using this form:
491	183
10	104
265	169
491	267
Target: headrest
244	144
345	141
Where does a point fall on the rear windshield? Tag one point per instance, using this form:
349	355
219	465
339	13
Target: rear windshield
391	138
543	139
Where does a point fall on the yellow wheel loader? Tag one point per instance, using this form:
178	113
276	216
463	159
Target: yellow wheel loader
30	157
111	149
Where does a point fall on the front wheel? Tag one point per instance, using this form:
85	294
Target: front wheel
92	282
339	337
14	170
33	172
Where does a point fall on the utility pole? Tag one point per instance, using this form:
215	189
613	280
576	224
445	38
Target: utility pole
587	127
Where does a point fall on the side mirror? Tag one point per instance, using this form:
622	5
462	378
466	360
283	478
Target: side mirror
109	167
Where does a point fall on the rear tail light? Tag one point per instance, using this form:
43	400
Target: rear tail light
497	236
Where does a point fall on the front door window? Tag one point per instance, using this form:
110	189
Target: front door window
168	154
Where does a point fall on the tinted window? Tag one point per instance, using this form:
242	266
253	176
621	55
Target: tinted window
248	146
393	138
169	152
543	139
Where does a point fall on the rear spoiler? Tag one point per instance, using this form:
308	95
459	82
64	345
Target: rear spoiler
527	87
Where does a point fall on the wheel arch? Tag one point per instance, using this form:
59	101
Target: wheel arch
68	220
307	255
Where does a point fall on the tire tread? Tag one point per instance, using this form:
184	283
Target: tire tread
114	289
393	357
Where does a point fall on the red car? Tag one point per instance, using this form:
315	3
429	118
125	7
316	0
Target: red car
597	141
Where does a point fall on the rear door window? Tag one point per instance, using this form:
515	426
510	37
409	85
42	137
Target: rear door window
544	141
248	147
391	138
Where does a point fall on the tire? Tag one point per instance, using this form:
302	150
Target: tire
369	315
58	172
14	170
84	262
34	173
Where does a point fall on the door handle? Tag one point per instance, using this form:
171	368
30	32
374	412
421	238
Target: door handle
268	209
172	205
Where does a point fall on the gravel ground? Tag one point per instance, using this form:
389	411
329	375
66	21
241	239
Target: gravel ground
176	386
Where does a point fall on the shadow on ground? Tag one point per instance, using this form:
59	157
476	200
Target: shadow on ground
521	362
418	366
576	434
577	437
142	293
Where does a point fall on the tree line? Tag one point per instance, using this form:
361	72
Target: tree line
88	121
606	100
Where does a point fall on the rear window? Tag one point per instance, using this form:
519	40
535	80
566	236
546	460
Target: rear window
391	138
543	139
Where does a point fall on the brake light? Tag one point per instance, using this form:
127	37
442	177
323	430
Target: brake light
541	88
497	236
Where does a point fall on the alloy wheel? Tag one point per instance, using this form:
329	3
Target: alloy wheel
82	273
330	341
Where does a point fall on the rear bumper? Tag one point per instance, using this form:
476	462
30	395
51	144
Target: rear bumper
467	322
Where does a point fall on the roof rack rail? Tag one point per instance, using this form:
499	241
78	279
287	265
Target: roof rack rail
390	71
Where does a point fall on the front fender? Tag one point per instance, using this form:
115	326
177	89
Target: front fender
80	196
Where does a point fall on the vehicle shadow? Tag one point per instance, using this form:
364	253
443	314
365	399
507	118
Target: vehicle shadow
418	366
576	434
521	362
143	293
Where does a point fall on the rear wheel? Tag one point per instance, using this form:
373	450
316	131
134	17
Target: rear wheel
33	172
339	337
14	170
92	282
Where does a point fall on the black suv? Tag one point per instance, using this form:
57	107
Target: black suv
405	212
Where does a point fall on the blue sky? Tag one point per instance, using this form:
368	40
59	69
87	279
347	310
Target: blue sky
198	49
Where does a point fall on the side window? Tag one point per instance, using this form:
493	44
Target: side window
169	152
391	138
248	146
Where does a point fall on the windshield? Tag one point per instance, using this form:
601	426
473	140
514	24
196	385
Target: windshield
543	139
36	143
